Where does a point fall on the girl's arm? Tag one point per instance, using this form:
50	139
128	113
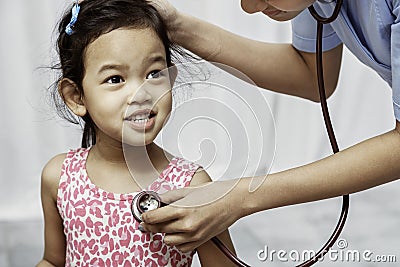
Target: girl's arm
368	164
209	254
268	65
54	238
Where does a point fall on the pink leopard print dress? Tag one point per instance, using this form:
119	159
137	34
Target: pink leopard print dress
99	227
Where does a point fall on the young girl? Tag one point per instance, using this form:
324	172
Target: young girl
113	56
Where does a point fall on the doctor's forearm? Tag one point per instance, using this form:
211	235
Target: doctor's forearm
363	166
263	63
268	65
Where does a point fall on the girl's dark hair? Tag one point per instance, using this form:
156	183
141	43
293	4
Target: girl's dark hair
97	17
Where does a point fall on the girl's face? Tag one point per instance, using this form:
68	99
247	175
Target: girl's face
125	90
280	10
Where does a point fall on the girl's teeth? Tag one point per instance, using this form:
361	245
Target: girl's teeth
141	117
141	120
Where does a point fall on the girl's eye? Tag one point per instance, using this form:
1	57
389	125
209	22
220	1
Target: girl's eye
115	80
155	74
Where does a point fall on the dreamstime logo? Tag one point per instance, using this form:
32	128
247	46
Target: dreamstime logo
340	253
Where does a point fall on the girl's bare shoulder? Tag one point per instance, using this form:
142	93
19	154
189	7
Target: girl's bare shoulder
52	171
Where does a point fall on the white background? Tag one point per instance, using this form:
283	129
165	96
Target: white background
31	134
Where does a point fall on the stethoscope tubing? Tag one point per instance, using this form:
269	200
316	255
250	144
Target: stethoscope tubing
328	124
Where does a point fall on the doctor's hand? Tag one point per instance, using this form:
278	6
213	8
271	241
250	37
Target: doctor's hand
196	214
169	14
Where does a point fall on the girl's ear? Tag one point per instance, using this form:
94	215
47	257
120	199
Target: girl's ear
72	97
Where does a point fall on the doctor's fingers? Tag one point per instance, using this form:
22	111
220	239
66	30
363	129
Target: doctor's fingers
184	220
175	195
167	11
190	225
163	215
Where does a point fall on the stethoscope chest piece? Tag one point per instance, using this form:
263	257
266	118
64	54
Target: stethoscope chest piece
144	201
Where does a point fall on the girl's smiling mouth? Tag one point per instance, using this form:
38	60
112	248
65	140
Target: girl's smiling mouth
143	119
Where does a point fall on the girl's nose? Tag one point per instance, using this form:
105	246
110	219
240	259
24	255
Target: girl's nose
141	95
253	6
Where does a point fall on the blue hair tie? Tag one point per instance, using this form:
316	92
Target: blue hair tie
74	18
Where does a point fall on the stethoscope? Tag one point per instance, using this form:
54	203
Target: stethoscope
148	200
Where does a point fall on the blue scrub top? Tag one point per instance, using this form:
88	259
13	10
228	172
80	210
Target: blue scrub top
370	29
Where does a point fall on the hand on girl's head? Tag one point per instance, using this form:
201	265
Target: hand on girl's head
167	11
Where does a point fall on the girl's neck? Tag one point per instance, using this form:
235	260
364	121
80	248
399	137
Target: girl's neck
119	153
144	163
111	153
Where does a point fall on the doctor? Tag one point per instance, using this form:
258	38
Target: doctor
369	29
